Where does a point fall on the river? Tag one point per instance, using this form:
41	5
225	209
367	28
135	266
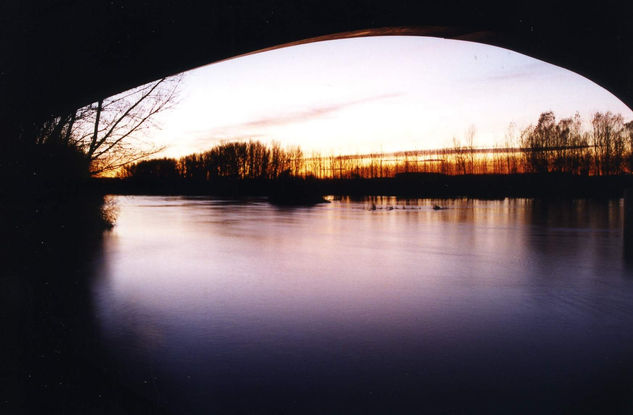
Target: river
376	305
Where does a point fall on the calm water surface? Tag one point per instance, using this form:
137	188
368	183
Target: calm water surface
507	306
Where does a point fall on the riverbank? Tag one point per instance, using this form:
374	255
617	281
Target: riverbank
485	186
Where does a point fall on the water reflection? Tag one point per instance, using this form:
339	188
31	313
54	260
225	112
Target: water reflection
497	306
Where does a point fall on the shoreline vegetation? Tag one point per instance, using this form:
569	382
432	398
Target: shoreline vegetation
554	158
306	191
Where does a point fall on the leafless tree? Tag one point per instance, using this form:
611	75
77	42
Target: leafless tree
470	146
111	131
460	157
537	141
609	141
510	142
296	160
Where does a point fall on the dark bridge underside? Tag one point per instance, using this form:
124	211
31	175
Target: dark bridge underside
66	53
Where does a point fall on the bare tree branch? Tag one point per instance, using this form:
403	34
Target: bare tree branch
110	130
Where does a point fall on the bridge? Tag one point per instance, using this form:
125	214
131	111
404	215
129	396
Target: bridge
62	54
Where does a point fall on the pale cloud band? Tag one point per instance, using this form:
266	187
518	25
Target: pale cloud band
308	114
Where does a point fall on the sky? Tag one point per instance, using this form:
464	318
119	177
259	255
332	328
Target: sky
374	94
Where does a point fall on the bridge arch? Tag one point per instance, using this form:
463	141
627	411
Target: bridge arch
70	52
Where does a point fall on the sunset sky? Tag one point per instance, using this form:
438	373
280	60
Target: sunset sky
373	94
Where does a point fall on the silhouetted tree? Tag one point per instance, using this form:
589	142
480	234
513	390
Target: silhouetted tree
460	157
296	160
109	131
628	133
609	141
470	147
163	168
510	142
536	141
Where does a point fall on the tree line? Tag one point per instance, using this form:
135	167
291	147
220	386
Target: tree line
548	146
240	160
563	147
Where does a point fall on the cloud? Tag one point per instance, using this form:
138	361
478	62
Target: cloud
510	76
296	116
532	70
202	140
